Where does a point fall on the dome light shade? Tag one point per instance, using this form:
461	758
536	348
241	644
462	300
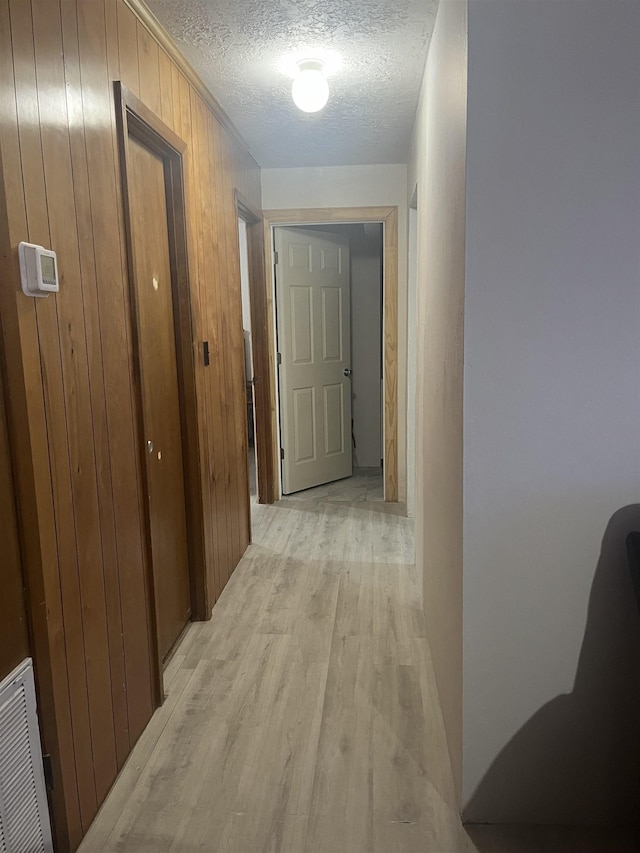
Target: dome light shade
310	90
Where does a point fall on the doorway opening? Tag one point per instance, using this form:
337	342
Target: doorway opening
329	336
259	371
252	465
387	219
153	197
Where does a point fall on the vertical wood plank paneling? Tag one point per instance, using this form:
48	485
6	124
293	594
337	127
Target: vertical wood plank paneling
95	362
128	48
226	494
177	117
208	374
234	182
49	339
166	89
69	338
261	325
149	69
195	211
212	435
242	172
195	249
122	447
235	348
230	495
254	183
119	375
71	371
14	638
30	449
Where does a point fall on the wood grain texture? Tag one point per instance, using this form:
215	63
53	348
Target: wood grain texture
59	471
159	34
63	328
303	717
95	366
235	348
177	434
154	284
27	428
71	388
149	69
14	636
107	253
388	216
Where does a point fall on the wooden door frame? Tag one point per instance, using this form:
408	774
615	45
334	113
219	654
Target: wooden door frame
262	361
134	118
388	218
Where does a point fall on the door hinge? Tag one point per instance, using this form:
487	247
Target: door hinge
275	259
48	772
279	358
282	453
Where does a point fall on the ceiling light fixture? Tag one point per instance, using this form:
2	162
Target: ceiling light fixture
310	90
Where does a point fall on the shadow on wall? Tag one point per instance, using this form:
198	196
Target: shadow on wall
577	760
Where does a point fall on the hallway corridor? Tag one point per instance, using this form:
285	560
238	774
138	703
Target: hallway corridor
302	717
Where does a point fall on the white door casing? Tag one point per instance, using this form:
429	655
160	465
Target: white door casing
313	319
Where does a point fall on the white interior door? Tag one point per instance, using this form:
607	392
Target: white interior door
313	301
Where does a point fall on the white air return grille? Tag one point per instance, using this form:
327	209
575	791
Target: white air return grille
24	816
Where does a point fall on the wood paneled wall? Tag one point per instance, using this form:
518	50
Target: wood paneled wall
14	638
70	371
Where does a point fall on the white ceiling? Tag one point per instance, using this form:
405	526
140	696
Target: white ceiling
244	49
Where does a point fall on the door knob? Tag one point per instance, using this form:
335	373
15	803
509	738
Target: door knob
149	447
347	371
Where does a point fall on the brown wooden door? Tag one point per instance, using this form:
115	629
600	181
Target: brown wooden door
161	401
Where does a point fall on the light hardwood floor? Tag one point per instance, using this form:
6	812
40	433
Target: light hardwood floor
303	716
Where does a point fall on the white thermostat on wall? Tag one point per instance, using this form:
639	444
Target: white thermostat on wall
38	270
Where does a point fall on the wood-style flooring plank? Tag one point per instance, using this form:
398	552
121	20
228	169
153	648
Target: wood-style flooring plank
305	721
342	798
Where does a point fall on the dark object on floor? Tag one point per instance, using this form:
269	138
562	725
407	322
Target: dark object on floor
633	552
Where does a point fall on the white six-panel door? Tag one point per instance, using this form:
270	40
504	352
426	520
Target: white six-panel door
313	319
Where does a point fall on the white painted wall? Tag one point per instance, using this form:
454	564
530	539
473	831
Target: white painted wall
246	301
438	166
552	411
244	274
355	186
366	410
412	341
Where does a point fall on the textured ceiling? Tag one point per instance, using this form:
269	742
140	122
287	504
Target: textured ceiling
245	50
